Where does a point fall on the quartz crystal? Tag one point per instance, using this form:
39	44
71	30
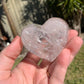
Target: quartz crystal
48	40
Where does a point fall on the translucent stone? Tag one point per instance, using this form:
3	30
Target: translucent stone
48	40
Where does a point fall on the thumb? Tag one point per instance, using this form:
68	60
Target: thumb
8	56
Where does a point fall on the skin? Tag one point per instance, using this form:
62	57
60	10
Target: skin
27	71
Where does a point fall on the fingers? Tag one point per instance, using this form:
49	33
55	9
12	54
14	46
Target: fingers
74	43
65	58
60	68
72	34
74	46
8	56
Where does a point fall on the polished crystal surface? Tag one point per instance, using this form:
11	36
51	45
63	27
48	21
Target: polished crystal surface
47	40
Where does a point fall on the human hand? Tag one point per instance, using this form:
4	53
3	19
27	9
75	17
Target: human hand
27	71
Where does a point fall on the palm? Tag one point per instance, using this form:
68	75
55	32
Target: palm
27	72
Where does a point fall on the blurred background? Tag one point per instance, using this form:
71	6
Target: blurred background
16	14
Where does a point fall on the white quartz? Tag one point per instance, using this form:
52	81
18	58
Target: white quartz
47	40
